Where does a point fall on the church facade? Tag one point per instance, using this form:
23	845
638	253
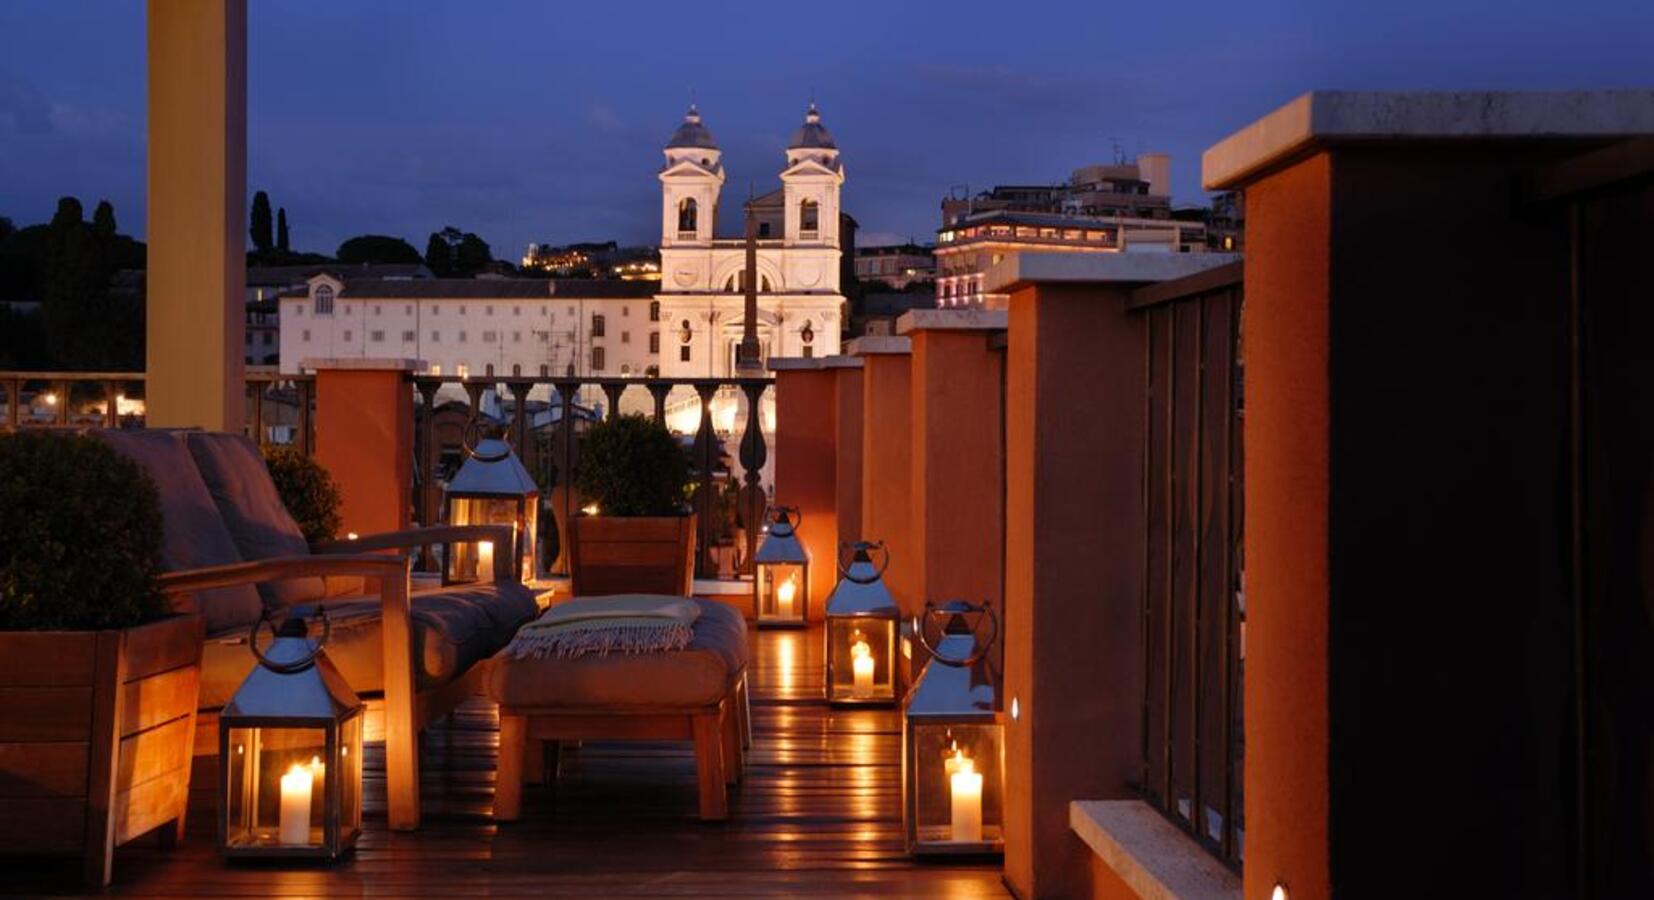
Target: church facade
703	266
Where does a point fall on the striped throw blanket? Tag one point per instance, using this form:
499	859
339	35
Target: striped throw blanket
624	623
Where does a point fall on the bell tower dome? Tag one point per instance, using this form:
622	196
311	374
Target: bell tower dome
690	183
811	183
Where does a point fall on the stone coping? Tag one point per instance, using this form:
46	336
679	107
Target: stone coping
1151	855
312	364
1322	117
802	363
878	343
952	320
1018	269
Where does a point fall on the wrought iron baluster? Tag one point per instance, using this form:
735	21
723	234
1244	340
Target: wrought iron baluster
111	412
706	443
427	468
612	392
659	392
562	470
754	453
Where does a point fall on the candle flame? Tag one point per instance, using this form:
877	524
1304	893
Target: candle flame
962	763
860	648
788	589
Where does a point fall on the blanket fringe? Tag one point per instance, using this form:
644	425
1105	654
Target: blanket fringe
573	641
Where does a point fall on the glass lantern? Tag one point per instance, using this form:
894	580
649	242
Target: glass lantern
290	754
861	630
781	573
953	739
491	488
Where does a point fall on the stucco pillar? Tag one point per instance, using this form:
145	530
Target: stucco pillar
847	395
197	187
806	466
365	438
1072	642
887	460
1409	648
958	482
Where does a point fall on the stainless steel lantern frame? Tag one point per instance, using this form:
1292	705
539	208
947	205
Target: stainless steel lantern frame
954	705
491	488
294	689
860	604
781	554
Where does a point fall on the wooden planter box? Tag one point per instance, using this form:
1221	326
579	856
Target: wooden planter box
643	555
96	734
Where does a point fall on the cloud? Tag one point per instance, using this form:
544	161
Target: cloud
23	109
604	119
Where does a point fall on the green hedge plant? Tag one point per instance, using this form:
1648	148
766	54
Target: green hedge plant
307	490
80	536
631	465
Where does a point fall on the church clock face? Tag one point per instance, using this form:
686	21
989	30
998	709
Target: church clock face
685	277
809	274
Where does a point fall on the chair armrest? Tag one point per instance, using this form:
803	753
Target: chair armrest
279	567
501	535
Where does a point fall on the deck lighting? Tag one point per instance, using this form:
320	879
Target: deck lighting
953	747
290	753
781	573
492	488
861	629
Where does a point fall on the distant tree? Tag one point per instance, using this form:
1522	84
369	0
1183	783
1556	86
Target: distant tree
474	254
103	221
22	340
7	229
260	231
22	257
439	255
377	248
281	232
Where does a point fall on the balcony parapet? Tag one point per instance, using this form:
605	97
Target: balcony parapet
953	320
811	363
878	344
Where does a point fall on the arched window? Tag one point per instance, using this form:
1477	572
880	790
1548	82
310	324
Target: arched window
516	370
687	214
654	310
324	300
488	370
737	283
809	215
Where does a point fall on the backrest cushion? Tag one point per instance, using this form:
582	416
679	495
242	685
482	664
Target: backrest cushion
195	533
259	522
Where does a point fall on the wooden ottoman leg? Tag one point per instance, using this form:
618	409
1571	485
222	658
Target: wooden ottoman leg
743	703
729	725
508	787
709	767
534	761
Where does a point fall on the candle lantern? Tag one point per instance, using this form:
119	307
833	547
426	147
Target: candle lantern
290	753
781	572
861	629
953	745
491	488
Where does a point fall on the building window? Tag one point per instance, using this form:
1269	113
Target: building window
488	370
626	311
348	336
298	309
462	370
597	359
763	229
516	337
516	310
688	217
489	337
378	337
407	336
462	337
654	311
436	310
809	214
625	337
545	371
516	370
488	310
407	310
347	309
377	308
597	325
625	370
436	368
654	342
683	353
809	352
305	336
324	300
436	337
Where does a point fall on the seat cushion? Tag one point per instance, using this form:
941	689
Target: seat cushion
453	629
259	522
195	533
696	676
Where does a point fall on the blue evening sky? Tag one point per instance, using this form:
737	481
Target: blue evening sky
544	120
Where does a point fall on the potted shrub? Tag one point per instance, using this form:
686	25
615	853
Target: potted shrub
307	490
98	679
641	538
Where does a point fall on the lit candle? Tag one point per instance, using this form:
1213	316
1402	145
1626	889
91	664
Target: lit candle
784	596
295	805
861	663
966	784
485	560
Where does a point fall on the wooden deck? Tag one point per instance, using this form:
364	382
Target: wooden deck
819	814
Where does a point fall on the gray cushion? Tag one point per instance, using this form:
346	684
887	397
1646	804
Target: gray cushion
698	675
194	532
259	522
453	629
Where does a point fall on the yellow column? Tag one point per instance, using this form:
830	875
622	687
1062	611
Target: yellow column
197	212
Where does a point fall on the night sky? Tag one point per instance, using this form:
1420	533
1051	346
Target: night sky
543	121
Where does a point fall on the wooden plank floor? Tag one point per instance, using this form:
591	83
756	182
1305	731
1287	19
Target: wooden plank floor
819	814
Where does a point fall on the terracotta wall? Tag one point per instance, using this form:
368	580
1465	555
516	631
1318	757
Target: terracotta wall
887	469
1074	412
806	468
847	395
958	467
364	437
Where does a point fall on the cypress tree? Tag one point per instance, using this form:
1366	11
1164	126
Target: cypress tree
281	231
260	231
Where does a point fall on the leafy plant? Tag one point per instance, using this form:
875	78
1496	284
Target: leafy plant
631	465
80	535
307	490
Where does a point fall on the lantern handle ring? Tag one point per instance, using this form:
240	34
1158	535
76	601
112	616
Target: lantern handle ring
979	648
471	436
863	546
298	665
786	515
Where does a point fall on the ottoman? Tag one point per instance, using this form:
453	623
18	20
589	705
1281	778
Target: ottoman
696	694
